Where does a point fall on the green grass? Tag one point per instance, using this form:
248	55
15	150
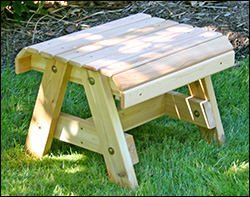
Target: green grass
173	161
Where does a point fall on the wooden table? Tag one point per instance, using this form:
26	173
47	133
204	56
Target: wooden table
138	59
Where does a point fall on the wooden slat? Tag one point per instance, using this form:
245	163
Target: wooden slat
171	63
137	47
177	79
122	31
82	55
167	46
38	63
37	48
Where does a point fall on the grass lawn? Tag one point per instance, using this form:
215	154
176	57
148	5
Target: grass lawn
173	161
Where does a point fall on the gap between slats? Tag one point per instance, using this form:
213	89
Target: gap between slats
95	37
88	53
171	63
181	42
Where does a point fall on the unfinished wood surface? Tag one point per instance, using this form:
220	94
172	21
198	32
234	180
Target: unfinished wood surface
147	34
23	61
105	47
190	109
203	88
131	148
143	112
37	48
38	63
171	63
219	127
149	50
47	108
23	64
116	33
177	79
109	130
77	131
82	133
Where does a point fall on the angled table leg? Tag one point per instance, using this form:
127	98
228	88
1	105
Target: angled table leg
203	89
109	129
47	108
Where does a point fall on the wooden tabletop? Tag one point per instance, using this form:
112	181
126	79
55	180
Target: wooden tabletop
135	49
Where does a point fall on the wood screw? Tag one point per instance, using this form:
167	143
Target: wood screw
196	113
54	69
39	125
111	151
91	80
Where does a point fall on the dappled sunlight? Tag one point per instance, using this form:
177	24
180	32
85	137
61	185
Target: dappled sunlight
71	37
73	157
238	168
146	29
150	54
94	37
208	34
179	28
89	48
147	47
112	41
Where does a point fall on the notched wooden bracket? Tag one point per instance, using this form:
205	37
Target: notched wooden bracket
190	109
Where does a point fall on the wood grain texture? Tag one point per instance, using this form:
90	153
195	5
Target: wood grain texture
112	34
184	107
82	133
37	48
81	56
176	79
149	48
47	108
23	61
109	130
171	63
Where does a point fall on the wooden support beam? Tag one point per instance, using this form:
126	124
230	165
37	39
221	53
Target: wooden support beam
190	109
47	108
143	112
203	88
23	61
109	129
27	61
176	79
82	133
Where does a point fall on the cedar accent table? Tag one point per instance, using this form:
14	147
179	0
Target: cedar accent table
140	59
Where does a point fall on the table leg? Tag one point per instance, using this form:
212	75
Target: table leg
203	89
47	108
109	129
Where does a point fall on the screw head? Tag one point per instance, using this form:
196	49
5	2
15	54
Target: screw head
111	151
54	69
196	113
39	125
91	80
